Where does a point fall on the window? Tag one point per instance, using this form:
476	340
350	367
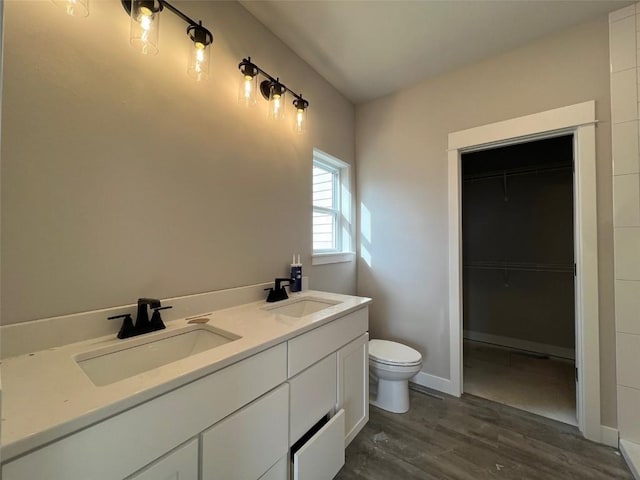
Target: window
326	208
331	210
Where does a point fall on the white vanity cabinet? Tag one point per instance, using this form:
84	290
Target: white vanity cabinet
123	444
238	423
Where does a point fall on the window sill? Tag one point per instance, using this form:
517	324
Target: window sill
333	257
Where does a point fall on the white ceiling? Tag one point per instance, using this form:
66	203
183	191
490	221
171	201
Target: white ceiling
367	49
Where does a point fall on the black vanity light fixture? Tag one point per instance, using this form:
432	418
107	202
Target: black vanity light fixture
145	27
272	90
75	8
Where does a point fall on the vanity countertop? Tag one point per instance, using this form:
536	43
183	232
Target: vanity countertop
46	395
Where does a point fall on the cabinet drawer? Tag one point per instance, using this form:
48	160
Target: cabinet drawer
277	472
139	436
307	349
250	441
181	464
313	394
323	455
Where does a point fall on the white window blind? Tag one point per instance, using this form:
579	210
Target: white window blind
326	207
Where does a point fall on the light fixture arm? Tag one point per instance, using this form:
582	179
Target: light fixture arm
166	4
271	81
193	26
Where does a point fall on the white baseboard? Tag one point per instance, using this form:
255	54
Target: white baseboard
435	383
609	436
631	453
516	343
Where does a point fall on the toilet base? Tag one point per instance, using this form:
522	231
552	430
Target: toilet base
391	395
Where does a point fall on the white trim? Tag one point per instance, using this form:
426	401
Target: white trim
517	343
324	157
538	123
455	274
579	120
587	316
631	453
435	383
333	257
609	436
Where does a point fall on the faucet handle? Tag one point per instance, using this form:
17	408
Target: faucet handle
280	281
156	322
127	328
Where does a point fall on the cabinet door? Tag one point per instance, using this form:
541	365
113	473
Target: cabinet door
353	385
246	444
180	464
312	396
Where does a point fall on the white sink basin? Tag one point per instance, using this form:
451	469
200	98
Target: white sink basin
302	307
137	355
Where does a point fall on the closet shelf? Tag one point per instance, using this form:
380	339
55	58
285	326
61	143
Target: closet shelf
554	167
522	267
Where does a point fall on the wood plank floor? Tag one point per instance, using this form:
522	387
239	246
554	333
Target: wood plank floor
473	439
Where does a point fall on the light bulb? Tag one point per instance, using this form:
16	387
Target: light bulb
199	63
248	83
199	58
276	105
276	101
300	123
248	90
198	66
145	21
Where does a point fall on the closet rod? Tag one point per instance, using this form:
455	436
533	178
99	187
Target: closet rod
514	172
522	267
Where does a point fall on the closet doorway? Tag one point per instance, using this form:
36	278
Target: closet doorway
579	120
518	276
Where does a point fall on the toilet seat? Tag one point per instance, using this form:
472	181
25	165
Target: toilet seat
394	354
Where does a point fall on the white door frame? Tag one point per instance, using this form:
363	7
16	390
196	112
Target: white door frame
580	121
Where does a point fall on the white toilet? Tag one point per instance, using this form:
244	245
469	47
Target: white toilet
391	365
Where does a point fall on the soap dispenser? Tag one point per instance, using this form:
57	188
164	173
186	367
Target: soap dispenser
296	275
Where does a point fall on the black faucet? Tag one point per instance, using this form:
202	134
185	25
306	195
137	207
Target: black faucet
142	318
143	324
278	292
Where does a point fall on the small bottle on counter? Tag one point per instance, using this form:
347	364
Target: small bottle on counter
296	275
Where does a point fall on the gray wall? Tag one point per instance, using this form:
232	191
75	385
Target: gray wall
533	226
401	143
122	177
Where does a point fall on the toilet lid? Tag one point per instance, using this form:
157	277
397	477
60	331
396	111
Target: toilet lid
393	353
